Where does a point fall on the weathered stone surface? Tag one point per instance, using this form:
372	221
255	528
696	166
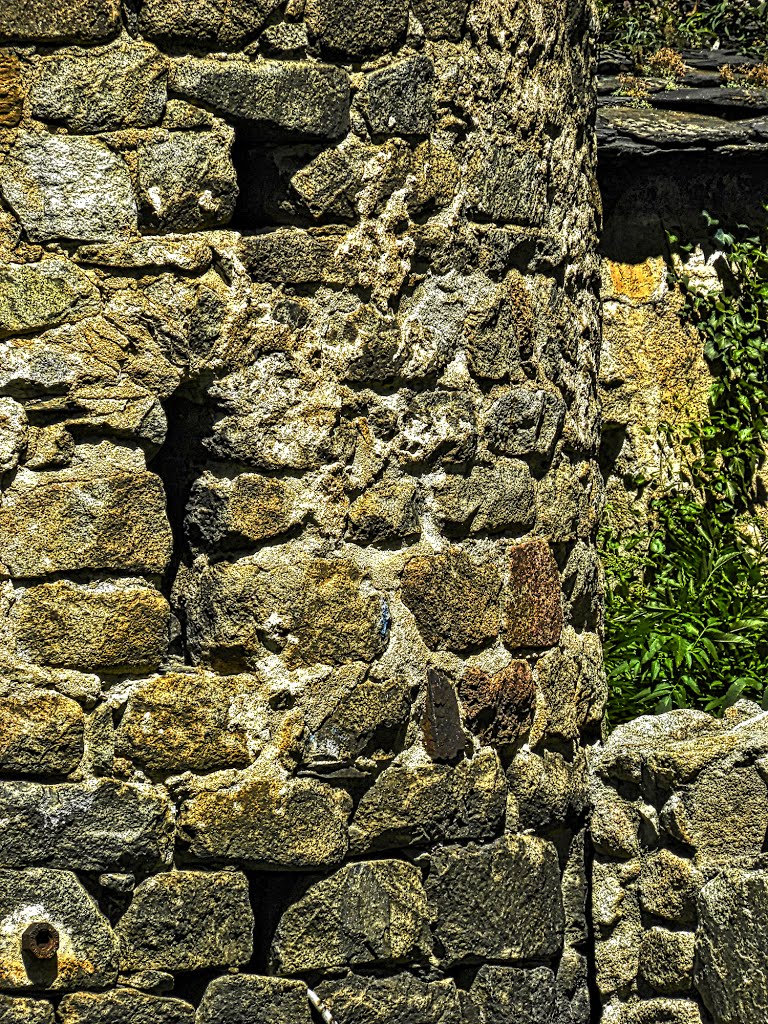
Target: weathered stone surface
659	1011
509	995
298	256
314	610
25	1011
731	956
368	913
11	90
666	960
224	514
205	25
267	820
350	31
439	427
97	825
525	421
14	433
415	802
402	999
184	722
88	950
243	999
187	181
109	626
297	96
499	902
40	734
444	737
59	522
669	886
550	790
495	498
385	512
441	19
572	685
454	599
57	186
509	185
35	296
186	920
59	21
498	706
123	1006
533	614
400	99
123	87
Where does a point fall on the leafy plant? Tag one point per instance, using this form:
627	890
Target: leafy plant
687	599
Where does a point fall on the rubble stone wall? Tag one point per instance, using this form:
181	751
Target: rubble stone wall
299	601
680	872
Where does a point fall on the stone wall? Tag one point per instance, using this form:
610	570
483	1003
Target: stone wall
680	886
299	605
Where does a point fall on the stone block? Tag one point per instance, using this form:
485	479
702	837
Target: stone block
441	19
533	611
316	610
400	98
509	185
669	886
204	24
123	1006
385	512
14	433
184	722
660	1011
187	920
16	1010
454	599
511	995
97	825
571	681
109	626
498	706
88	950
245	999
296	97
415	802
69	521
444	737
11	90
68	187
492	498
123	87
186	180
525	421
371	913
36	296
438	427
40	734
731	953
225	514
498	902
53	22
550	790
299	256
666	960
268	821
402	999
347	30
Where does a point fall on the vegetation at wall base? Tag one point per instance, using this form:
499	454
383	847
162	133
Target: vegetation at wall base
687	599
640	27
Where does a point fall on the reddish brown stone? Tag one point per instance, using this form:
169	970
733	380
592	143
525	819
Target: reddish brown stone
444	738
11	91
499	707
533	610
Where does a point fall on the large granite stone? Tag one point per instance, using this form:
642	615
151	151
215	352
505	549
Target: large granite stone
204	24
108	626
123	87
97	825
244	999
68	187
123	1006
35	296
731	954
187	920
55	22
63	522
296	96
88	949
370	913
497	902
40	734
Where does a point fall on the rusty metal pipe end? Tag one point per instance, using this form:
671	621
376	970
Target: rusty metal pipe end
41	940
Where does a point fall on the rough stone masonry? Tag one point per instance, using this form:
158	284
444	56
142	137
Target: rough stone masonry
299	601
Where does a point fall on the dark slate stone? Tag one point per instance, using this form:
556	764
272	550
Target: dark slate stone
348	28
510	995
444	738
400	98
246	999
441	19
509	185
525	421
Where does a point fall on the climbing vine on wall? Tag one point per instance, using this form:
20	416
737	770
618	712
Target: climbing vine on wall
687	600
